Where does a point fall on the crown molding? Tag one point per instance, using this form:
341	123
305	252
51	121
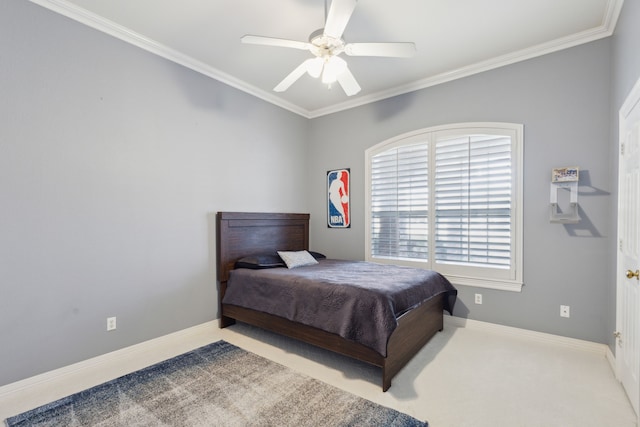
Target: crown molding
603	31
118	31
92	20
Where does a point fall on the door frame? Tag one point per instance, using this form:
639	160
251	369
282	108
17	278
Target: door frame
632	100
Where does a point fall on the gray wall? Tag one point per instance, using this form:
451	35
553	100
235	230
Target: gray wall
625	71
563	101
113	163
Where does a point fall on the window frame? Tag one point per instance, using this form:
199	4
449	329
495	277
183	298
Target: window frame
483	277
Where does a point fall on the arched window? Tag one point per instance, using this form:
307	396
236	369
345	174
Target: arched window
449	199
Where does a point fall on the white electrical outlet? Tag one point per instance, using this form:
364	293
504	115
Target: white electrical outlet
478	298
564	311
111	323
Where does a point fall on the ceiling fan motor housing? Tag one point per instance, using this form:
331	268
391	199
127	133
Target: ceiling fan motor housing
325	46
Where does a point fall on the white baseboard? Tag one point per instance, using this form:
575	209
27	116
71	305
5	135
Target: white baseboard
612	362
174	343
528	334
67	380
78	376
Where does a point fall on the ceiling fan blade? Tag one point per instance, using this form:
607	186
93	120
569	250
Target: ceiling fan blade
338	16
272	41
348	83
396	50
293	76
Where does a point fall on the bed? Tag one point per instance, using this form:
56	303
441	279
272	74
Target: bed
244	234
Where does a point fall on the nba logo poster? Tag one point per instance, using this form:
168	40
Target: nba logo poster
338	215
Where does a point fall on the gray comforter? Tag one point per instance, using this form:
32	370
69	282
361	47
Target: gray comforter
359	301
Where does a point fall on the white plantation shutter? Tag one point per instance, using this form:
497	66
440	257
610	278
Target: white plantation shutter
447	199
473	200
399	203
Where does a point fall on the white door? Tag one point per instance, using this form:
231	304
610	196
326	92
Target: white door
628	282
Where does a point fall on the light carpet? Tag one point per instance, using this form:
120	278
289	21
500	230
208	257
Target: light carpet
218	384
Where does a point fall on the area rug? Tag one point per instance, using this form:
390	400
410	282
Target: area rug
215	385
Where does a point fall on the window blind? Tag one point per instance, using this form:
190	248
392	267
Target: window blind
473	194
399	203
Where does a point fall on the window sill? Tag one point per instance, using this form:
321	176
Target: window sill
500	285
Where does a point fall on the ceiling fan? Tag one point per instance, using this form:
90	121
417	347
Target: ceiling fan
326	44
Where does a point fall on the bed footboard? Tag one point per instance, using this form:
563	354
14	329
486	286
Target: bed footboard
415	329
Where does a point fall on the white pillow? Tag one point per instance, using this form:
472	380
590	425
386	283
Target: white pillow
295	259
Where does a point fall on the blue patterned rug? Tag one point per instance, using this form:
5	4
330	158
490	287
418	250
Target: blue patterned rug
219	384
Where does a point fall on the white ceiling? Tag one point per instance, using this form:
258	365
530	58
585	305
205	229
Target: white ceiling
454	38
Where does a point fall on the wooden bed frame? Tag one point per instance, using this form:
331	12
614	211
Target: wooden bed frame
243	234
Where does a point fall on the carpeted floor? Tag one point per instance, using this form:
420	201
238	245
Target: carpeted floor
219	384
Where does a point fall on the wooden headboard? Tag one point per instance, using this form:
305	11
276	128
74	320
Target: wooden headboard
241	234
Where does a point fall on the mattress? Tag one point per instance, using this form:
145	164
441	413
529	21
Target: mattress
360	301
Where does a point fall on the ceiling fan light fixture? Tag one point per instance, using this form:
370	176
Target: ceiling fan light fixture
333	67
314	67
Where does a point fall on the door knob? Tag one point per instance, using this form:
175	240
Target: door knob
632	274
